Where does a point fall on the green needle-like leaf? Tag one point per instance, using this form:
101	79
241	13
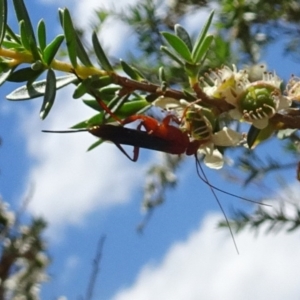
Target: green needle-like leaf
25	74
178	45
90	84
41	32
203	49
86	124
82	88
24	38
12	35
26	92
103	60
127	109
22	15
184	36
200	39
51	50
50	92
93	121
5	75
3	19
260	135
131	71
81	53
60	16
116	104
133	107
12	45
171	55
96	144
38	88
99	82
92	104
70	35
108	92
252	135
162	74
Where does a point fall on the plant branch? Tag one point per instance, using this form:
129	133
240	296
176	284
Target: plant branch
95	269
291	120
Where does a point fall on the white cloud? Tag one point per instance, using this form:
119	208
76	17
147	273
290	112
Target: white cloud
84	9
69	182
88	5
71	265
114	35
206	266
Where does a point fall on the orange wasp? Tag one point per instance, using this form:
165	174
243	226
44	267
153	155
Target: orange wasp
156	136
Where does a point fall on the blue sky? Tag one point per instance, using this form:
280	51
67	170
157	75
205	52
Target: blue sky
181	254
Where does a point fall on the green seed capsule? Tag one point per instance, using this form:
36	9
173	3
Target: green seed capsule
259	101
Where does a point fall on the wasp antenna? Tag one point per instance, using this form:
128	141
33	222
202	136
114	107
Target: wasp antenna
204	179
65	131
198	166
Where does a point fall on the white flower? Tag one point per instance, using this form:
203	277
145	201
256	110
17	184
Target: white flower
213	157
225	137
293	88
169	104
228	83
254	102
261	101
199	123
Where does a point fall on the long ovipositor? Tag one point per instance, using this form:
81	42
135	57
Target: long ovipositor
127	136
